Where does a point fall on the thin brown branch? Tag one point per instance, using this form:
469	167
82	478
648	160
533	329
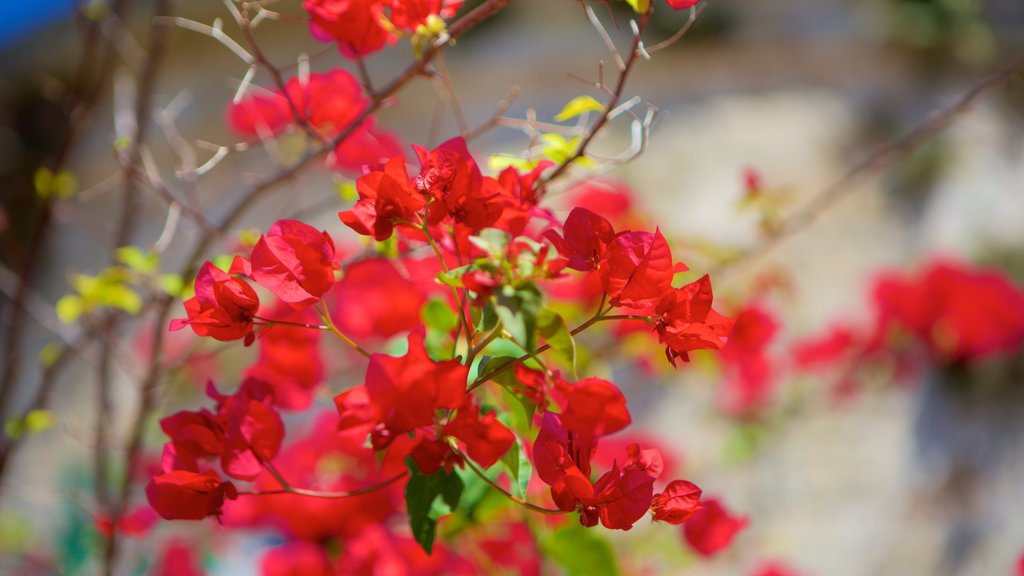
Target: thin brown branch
875	161
613	99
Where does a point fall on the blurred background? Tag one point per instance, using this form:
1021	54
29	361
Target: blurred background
761	107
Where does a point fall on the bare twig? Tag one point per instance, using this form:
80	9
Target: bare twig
878	159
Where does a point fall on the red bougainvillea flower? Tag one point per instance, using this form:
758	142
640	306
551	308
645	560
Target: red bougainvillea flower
134	523
958	311
618	499
749	369
289	358
682	4
374	300
713	528
329	103
677	503
294	261
584	239
185	495
519	194
592	407
485	438
327	460
244	432
385	197
223	307
361	27
685	321
637	269
402	393
177	558
450	176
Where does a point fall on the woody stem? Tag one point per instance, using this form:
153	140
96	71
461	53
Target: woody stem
325	316
287	488
524	503
268	322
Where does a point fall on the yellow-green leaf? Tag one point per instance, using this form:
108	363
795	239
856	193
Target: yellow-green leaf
139	260
577	106
639	6
70	308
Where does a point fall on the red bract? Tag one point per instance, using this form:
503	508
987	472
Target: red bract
356	25
450	176
584	240
677	503
682	4
289	359
373	299
294	261
958	311
637	269
749	370
134	523
713	528
184	495
773	569
329	103
685	321
385	197
244	431
223	307
519	194
402	393
593	407
618	499
485	438
177	558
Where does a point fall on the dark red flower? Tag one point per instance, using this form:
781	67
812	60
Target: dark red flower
223	307
677	503
584	240
184	495
289	358
177	558
294	261
713	528
686	321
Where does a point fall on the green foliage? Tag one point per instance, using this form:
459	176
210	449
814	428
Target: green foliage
519	468
553	329
427	499
580	551
559	150
577	106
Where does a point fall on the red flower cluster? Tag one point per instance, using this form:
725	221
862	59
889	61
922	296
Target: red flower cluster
958	311
399	403
330	103
449	188
712	528
750	370
244	432
223	307
361	27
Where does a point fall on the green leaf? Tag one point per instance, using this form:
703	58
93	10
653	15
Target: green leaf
172	284
491	240
452	277
552	328
32	422
577	106
121	297
640	6
580	551
437	315
427	499
135	258
70	308
519	468
499	162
